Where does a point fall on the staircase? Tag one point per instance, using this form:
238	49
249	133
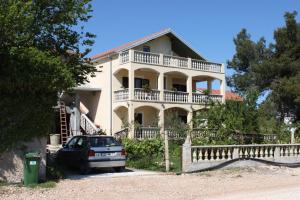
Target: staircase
88	126
63	122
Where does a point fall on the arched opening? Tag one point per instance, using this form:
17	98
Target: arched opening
120	80
175	115
146	78
120	118
175	81
146	116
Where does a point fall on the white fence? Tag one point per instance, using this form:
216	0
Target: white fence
206	157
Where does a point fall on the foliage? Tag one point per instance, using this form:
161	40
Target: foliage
149	154
222	121
175	124
40	57
149	148
274	68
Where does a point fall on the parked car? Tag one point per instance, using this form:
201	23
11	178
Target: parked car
92	151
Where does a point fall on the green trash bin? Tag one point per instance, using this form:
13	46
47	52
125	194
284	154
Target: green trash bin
31	168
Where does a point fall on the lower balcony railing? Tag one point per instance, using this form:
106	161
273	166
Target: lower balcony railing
146	132
172	96
202	98
168	96
144	95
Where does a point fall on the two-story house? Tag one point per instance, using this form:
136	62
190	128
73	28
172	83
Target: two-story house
145	80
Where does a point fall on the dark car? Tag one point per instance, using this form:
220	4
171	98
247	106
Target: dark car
92	151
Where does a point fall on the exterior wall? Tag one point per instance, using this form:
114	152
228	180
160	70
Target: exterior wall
100	105
11	162
160	45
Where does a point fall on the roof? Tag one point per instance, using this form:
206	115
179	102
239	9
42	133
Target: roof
228	94
143	40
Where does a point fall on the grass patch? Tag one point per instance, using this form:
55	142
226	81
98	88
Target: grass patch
3	183
47	184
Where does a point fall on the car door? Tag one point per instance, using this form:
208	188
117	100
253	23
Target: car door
80	152
66	154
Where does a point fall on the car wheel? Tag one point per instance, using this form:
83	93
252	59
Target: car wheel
84	169
119	169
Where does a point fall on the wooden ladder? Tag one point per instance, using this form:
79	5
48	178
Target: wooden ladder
63	123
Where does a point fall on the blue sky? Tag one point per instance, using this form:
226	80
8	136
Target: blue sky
208	26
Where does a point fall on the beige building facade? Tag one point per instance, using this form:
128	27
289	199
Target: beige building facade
145	81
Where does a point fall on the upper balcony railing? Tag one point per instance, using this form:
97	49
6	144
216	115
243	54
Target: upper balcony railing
168	96
169	61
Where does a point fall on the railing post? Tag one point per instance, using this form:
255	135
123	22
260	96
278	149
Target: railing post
161	59
186	154
189	63
277	153
131	55
235	153
189	84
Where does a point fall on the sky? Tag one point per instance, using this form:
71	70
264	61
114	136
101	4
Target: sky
209	26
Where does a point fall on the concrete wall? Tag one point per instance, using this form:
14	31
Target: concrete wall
11	162
160	45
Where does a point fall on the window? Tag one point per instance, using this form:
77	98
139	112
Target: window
80	142
71	143
125	82
179	87
165	83
140	83
183	118
103	142
146	48
138	117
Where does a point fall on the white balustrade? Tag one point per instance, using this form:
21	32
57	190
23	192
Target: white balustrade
174	61
175	96
169	61
229	152
124	57
87	125
144	95
202	98
145	57
206	66
146	132
121	95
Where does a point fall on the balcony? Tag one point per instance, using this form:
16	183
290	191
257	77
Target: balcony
169	61
168	96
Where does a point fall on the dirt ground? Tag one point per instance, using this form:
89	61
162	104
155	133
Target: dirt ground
250	183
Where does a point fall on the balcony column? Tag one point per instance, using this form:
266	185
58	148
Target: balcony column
209	86
131	83
130	55
161	122
189	63
189	88
160	86
161	59
131	120
190	119
223	89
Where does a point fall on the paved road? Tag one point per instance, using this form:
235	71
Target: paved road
235	184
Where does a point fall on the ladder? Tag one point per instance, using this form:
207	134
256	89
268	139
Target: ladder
63	122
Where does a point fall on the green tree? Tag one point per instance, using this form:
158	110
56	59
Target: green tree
40	56
225	120
275	68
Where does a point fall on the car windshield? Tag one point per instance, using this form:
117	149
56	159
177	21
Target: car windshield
103	142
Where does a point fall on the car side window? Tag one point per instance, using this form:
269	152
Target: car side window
72	142
80	142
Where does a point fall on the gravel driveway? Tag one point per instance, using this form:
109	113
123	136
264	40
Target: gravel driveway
250	183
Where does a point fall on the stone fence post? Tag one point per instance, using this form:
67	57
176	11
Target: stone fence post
277	154
186	154
235	153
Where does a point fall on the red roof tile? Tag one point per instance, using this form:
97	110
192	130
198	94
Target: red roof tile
228	94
